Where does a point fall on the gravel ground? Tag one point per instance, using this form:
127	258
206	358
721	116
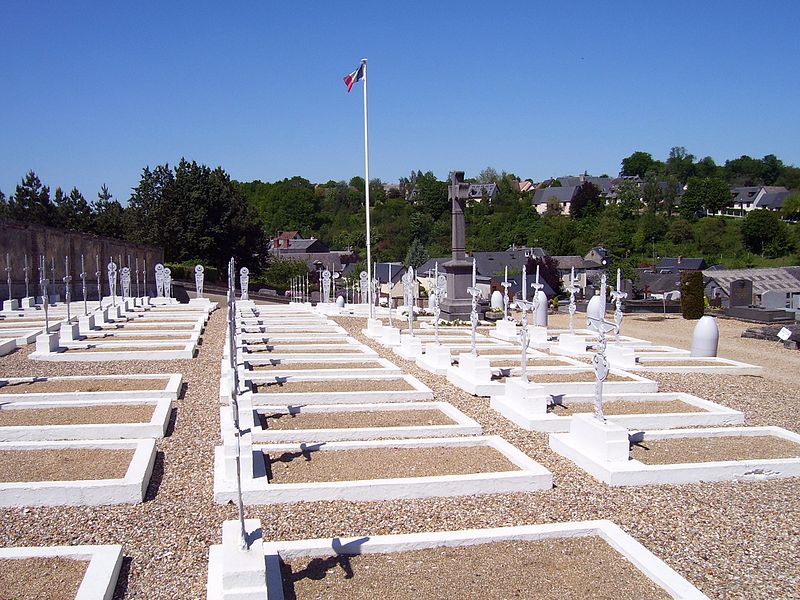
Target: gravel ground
731	539
35	578
64	464
77	415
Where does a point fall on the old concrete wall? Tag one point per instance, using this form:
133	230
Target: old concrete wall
19	240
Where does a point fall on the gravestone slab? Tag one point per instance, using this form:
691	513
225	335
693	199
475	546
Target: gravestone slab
773	299
741	293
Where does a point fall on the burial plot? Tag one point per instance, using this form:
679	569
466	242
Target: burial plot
75	472
329	390
609	453
379	470
564	560
711	365
532	408
70	420
119	351
90	388
338	422
337	366
60	572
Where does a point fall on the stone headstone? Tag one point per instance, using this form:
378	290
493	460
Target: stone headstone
198	280
497	300
741	293
773	299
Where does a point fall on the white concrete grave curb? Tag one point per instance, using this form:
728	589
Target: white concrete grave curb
463	424
87	492
170	390
102	571
531	412
634	472
628	548
420	391
257	490
155	428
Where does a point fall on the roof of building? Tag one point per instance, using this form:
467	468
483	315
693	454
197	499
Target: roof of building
680	263
562	194
382	270
772	278
288	235
773	197
565	263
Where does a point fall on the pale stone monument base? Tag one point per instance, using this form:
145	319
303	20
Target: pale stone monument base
9	305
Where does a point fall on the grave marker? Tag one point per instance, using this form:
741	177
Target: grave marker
112	281
741	293
244	282
408	297
67	287
83	286
599	360
774	299
198	280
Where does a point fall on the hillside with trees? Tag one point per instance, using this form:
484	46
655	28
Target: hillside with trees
658	208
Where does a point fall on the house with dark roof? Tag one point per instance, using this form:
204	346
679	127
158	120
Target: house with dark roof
675	264
783	279
749	198
563	195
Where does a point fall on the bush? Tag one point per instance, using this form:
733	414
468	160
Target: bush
692	294
185	271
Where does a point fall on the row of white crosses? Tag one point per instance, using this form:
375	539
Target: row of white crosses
599	360
524	306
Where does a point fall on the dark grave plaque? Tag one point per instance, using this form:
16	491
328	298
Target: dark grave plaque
741	293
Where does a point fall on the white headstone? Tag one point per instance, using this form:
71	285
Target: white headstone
497	300
540	318
705	338
594	309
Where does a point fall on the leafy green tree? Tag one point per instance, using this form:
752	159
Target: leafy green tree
680	163
557	235
680	231
614	232
789	177
637	164
743	171
420	225
650	227
709	194
710	234
548	270
791	207
431	195
771	168
706	167
280	271
670	195
488	175
3	204
764	233
586	201
651	194
31	201
553	207
629	199
416	254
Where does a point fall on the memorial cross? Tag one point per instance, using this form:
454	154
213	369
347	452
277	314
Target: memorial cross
475	292
198	280
439	290
167	282
138	289
244	282
8	275
524	306
83	286
389	299
618	296
67	287
25	270
112	281
408	297
326	285
599	360
125	281
97	278
505	285
572	289
159	269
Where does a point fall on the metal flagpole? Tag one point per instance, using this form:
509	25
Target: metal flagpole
366	190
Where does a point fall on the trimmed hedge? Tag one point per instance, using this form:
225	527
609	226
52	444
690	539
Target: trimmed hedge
692	295
185	271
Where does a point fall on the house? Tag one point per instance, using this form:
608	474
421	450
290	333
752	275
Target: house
563	195
679	263
749	198
290	242
597	257
577	264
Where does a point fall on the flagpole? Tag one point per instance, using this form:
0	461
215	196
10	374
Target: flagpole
366	189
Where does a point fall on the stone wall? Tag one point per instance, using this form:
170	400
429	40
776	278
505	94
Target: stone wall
19	240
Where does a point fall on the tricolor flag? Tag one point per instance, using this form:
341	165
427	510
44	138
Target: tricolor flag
353	77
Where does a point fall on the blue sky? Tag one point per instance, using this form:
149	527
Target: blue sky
95	91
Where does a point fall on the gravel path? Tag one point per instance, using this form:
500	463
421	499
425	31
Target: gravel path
731	539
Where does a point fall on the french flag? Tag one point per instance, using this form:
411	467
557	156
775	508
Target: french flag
353	77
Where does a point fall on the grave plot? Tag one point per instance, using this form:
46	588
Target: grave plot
7	345
290	327
690	364
291	338
79	388
533	409
560	560
68	420
376	470
580	381
123	334
63	473
351	346
117	351
609	453
439	358
69	572
309	389
338	422
338	366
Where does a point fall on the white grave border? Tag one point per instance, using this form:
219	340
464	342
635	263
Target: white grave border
171	390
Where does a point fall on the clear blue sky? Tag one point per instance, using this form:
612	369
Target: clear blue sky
95	91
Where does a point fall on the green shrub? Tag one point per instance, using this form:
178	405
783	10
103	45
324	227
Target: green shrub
692	294
185	271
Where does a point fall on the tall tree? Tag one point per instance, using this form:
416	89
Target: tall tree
637	164
629	199
416	254
108	216
31	201
431	195
680	163
72	211
764	233
586	201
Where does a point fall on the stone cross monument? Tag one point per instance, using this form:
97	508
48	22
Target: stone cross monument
458	304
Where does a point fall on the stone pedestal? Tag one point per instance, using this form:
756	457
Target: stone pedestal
46	342
86	323
620	357
70	332
410	347
9	305
29	302
374	328
506	329
438	356
603	441
537	336
533	395
571	343
244	574
390	337
458	304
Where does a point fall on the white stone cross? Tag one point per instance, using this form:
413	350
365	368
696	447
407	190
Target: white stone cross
112	281
25	270
408	296
244	282
83	286
599	360
67	287
198	280
8	274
